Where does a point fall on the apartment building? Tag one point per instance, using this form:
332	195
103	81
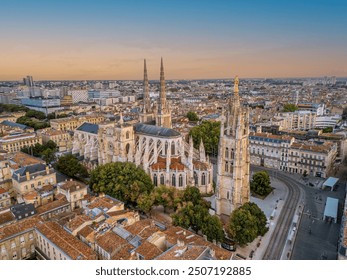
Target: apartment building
71	123
29	178
62	138
15	142
73	191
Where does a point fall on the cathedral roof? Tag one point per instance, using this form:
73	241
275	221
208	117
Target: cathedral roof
155	130
89	127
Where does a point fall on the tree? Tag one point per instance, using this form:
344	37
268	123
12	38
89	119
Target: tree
246	223
35	114
48	155
260	183
290	107
213	229
70	166
327	130
305	173
122	180
145	202
209	132
192	116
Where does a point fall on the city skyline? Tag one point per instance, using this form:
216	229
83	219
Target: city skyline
198	40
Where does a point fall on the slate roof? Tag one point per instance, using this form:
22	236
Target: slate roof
13	124
21	211
155	130
89	127
31	169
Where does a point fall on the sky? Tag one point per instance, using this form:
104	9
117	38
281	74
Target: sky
198	39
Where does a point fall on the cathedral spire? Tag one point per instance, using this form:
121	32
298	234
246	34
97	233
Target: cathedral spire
202	151
146	99
162	95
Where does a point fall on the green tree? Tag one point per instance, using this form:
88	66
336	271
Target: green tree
213	229
192	116
260	183
145	202
327	130
246	223
70	166
122	180
48	155
35	114
290	107
209	133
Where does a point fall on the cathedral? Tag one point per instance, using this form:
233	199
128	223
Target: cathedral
161	151
232	186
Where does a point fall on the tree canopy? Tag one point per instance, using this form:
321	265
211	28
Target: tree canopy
246	223
45	151
261	183
209	132
289	107
124	181
70	166
192	116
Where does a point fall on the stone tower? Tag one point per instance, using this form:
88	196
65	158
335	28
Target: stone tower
146	115
163	114
232	188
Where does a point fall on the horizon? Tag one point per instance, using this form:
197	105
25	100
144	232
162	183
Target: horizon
199	40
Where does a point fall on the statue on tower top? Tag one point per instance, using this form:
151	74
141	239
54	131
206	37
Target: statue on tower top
236	84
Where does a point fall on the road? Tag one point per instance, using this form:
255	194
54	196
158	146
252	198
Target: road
280	234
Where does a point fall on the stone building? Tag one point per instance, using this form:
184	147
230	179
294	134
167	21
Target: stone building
161	151
232	189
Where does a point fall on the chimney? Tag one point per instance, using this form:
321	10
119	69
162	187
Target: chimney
47	170
27	175
180	243
212	253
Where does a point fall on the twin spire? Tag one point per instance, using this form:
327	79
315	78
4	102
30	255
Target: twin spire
162	96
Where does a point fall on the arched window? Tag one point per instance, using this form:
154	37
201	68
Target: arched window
226	167
173	182
196	179
172	148
127	135
203	179
166	147
226	152
232	154
127	148
155	180
162	180
180	181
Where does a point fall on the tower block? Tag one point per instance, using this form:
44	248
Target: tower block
233	189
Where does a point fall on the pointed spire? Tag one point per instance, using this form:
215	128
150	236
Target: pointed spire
162	95
146	99
202	151
236	91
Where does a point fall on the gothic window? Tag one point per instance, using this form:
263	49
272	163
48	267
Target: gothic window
226	167
127	135
166	147
232	154
180	181
196	178
127	148
172	148
226	152
203	179
155	180
228	195
173	180
162	181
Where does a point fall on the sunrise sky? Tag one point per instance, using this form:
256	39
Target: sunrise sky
53	40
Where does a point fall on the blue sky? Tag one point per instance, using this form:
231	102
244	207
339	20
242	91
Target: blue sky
198	39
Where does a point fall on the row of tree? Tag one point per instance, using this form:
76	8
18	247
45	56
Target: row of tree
133	186
45	151
34	119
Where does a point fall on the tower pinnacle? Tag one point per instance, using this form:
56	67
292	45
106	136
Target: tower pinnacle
146	100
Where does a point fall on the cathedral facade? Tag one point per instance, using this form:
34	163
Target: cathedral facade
161	151
232	186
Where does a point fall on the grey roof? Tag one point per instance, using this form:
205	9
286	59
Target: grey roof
21	211
122	233
331	207
89	127
155	130
13	124
31	169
